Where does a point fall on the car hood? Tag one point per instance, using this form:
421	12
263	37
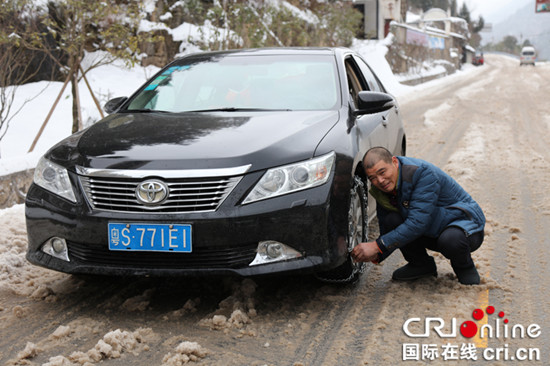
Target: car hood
166	141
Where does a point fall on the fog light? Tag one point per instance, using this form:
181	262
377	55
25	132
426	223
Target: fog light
273	251
56	247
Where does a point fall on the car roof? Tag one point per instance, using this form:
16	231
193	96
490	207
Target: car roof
272	51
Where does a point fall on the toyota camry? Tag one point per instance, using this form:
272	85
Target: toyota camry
245	162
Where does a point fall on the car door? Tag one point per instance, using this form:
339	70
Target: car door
390	118
370	129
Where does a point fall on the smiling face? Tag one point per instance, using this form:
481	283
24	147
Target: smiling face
384	175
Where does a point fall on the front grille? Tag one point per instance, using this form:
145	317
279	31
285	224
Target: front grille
185	194
236	256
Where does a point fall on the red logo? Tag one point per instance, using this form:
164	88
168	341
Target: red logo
469	329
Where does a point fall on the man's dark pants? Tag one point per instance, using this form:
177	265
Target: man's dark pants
453	243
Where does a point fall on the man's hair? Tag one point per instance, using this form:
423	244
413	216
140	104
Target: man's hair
375	154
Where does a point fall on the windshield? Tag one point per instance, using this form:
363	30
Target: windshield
275	82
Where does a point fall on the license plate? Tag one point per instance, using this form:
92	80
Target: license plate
150	237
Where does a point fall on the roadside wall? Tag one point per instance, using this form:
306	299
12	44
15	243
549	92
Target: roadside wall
14	187
414	46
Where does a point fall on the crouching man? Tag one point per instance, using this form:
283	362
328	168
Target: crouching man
421	207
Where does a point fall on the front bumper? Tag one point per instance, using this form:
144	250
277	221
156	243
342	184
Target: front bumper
224	241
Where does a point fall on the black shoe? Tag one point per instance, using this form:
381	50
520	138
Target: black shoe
467	276
411	272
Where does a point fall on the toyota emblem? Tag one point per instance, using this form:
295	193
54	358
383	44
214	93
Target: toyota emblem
152	192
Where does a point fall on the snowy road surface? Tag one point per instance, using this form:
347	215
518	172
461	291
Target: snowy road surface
489	129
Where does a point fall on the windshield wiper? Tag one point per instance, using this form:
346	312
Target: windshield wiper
144	110
235	109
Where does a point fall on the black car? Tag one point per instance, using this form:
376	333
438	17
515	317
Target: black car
240	162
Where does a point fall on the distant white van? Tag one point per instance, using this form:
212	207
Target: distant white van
527	56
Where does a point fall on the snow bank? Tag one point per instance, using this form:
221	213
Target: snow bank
19	163
16	274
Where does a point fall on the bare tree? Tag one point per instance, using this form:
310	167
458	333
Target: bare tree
70	28
17	66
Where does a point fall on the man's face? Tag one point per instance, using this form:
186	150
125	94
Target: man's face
383	175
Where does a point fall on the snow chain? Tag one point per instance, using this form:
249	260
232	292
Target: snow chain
356	269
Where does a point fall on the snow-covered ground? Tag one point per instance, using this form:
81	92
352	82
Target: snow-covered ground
111	81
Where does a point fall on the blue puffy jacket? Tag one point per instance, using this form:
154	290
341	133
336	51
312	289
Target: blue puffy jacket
429	201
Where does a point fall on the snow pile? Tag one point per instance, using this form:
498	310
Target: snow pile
140	302
16	274
30	351
185	352
61	331
189	307
238	319
235	311
116	342
111	346
14	244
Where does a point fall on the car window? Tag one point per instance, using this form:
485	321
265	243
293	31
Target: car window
355	81
288	82
371	79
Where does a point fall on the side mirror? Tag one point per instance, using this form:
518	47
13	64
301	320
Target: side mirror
114	104
373	102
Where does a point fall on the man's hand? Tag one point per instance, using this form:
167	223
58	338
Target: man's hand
365	252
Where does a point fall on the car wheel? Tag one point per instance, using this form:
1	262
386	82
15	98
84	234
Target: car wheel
349	271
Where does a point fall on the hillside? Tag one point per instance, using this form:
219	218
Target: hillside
525	24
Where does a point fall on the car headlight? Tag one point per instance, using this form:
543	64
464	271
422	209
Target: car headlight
292	178
53	178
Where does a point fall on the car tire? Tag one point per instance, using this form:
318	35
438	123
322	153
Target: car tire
349	271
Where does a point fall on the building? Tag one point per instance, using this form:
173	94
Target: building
432	37
378	15
437	29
